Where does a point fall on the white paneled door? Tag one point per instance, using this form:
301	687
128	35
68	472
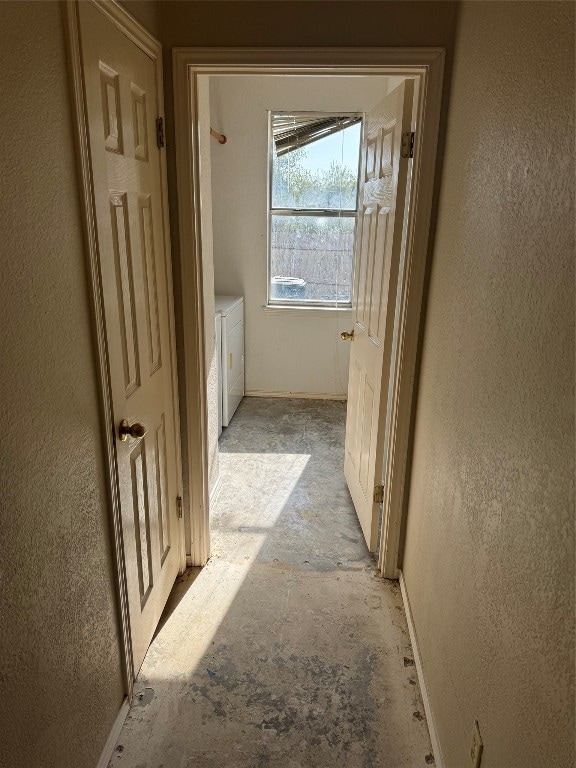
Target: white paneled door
121	102
379	250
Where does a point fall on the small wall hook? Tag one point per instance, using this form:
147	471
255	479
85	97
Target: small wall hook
221	138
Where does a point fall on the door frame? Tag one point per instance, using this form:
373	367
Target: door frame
426	65
152	48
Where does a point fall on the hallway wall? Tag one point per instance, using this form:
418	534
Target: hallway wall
146	12
489	560
61	678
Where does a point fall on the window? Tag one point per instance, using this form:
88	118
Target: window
313	205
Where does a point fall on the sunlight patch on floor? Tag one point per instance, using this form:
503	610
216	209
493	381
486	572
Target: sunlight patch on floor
214	589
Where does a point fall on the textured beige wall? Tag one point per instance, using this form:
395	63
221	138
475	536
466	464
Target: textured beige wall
489	560
308	22
147	12
61	683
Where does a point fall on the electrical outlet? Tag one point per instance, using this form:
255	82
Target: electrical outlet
476	747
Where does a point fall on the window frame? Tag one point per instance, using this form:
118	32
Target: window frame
303	304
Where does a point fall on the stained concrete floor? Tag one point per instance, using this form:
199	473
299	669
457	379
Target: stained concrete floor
286	650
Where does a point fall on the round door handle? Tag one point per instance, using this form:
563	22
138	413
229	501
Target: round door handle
126	430
347	336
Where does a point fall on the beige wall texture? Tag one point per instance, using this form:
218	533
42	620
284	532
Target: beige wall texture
489	560
308	22
147	12
60	680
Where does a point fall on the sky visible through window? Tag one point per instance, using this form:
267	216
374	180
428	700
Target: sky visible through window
342	147
311	256
321	174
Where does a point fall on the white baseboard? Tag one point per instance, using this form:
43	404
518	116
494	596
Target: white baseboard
113	735
439	760
216	490
297	395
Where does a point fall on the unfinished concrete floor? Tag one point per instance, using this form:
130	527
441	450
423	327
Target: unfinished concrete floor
286	650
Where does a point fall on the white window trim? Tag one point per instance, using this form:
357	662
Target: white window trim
308	311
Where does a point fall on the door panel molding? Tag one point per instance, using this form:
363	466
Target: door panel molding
131	29
383	191
426	66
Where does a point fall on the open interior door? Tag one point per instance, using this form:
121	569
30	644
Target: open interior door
379	249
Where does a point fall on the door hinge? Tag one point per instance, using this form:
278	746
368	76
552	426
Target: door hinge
378	494
407	144
160	132
179	505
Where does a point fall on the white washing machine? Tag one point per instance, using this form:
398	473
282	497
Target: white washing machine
231	372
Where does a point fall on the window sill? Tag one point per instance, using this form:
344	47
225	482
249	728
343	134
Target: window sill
287	309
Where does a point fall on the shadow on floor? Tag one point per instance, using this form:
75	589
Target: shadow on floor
178	593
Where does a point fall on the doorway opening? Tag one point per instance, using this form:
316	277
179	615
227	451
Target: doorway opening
224	252
298	200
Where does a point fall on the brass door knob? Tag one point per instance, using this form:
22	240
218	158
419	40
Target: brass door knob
345	336
126	430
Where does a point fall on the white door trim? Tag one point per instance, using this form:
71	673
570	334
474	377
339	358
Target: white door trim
427	66
138	35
